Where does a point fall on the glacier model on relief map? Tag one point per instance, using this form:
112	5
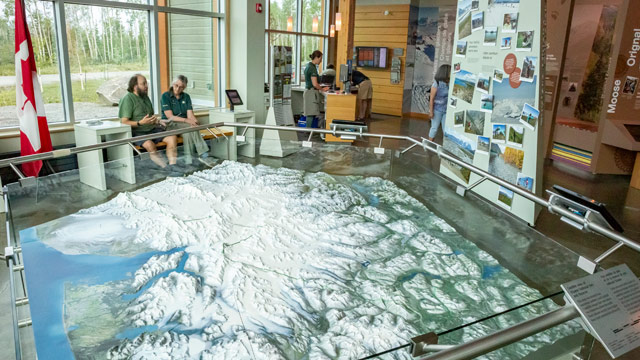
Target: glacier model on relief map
252	262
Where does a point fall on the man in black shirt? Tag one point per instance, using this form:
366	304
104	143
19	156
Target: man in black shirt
365	93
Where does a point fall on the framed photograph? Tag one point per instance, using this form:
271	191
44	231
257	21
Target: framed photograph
487	103
515	136
484	145
463	85
458	119
505	43
525	182
490	36
484	81
630	85
475	4
528	68
505	197
474	122
464	26
459	144
461	49
498	75
456	67
477	21
529	116
524	41
499	134
453	102
510	23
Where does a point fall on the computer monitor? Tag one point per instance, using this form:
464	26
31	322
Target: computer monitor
234	98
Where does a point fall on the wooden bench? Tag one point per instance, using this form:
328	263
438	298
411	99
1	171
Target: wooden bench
204	133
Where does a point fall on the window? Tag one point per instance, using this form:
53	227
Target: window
43	38
308	30
106	47
104	44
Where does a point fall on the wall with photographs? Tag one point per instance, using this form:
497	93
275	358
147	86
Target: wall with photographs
429	45
492	118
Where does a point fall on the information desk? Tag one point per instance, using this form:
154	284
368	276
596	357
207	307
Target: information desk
340	107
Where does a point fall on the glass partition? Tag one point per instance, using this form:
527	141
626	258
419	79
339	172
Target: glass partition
330	250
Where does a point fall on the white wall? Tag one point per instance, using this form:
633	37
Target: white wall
246	54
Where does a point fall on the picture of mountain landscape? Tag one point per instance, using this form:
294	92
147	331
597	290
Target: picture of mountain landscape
463	86
474	122
508	102
459	145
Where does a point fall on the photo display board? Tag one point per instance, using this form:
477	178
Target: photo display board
493	119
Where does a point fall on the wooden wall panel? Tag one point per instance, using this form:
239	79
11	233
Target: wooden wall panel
373	28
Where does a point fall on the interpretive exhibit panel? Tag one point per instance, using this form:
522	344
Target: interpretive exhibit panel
493	119
609	302
241	260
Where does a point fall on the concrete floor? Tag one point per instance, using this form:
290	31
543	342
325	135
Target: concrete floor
623	202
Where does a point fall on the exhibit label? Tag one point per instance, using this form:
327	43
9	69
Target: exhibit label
609	302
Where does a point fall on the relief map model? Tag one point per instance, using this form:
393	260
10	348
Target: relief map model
253	262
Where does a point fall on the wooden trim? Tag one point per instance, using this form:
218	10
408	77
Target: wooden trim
382	8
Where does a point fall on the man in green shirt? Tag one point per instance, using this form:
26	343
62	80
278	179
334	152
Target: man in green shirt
178	111
136	110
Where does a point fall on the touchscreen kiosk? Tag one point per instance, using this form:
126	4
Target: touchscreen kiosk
234	98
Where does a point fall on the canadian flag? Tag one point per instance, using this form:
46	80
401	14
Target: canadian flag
34	131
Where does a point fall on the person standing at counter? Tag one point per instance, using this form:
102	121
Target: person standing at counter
438	101
177	113
312	97
365	94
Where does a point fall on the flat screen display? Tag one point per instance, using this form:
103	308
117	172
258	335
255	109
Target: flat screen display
234	97
371	57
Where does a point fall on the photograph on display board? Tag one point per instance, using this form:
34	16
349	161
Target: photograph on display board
508	102
499	134
461	49
484	145
487	103
458	119
505	162
524	42
456	67
453	102
464	26
475	4
529	116
460	172
464	7
484	81
463	86
474	122
505	197
498	75
477	21
505	43
529	65
525	182
630	85
490	36
510	23
459	145
515	137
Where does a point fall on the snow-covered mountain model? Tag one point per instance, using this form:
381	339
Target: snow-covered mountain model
252	262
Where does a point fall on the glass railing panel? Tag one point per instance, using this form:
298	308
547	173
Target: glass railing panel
336	241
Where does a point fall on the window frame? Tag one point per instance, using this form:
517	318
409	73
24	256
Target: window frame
152	8
298	33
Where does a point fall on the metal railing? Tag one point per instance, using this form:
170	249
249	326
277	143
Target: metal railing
473	348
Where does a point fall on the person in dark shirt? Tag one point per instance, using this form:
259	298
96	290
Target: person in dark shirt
135	109
365	94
